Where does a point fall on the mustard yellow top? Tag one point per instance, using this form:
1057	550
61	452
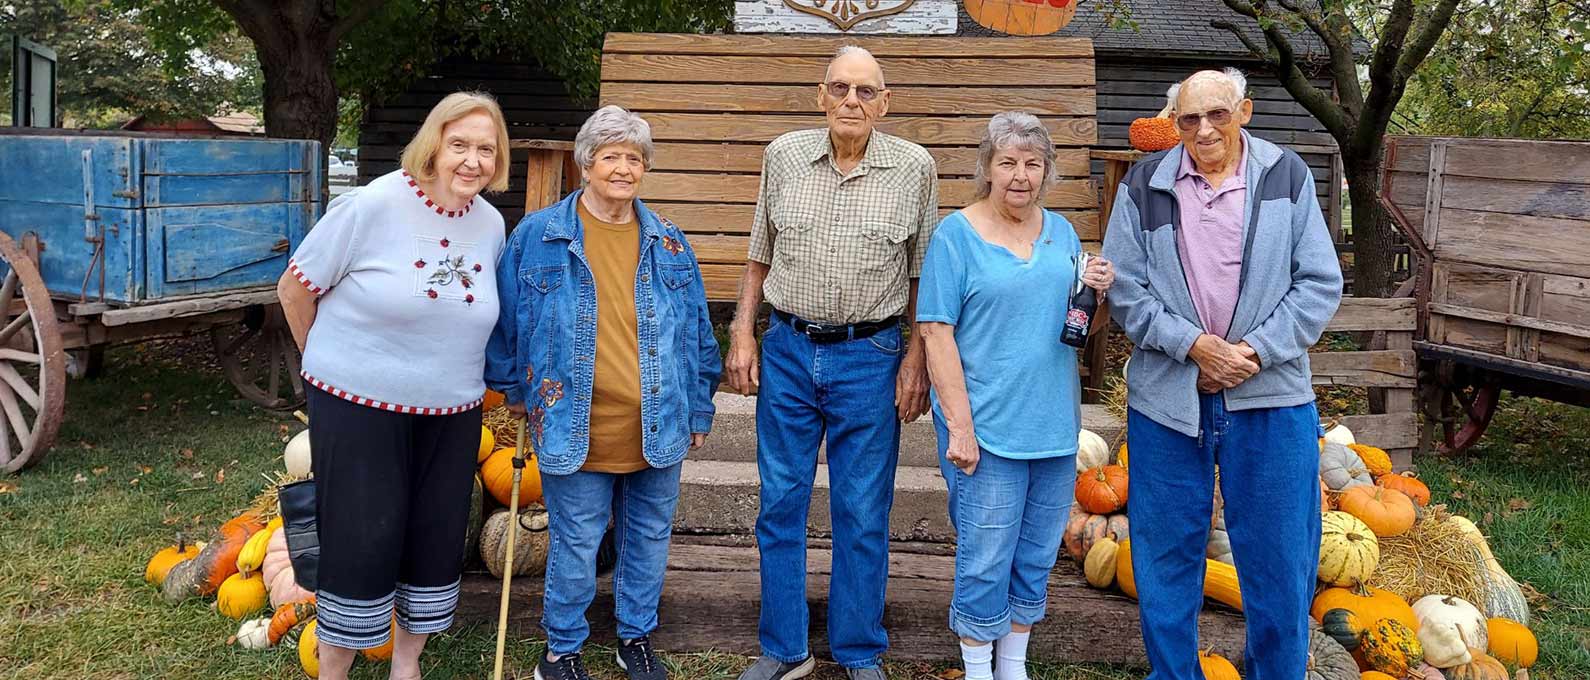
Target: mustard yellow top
613	251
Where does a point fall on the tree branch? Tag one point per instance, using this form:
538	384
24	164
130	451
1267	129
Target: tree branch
1430	31
361	12
1281	56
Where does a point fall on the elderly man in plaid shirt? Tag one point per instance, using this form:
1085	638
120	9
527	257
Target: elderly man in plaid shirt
842	224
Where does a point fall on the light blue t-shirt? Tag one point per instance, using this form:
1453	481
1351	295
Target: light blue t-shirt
1008	313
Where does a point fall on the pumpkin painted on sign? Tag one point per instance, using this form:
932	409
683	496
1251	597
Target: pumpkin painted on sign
1102	490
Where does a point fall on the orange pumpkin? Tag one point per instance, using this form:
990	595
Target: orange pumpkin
1102	490
1483	667
1374	675
1216	667
287	616
1368	603
1083	530
1387	512
384	652
491	401
168	557
496	474
1408	483
1511	642
1152	134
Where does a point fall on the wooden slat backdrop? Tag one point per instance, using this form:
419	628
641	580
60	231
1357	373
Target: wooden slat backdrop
714	102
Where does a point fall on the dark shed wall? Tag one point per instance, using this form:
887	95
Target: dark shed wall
534	103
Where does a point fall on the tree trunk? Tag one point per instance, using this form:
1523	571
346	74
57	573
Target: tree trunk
1374	235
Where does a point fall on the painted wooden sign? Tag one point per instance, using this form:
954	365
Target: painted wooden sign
897	17
1022	17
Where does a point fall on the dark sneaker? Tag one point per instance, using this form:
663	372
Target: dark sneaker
637	659
769	668
567	667
873	673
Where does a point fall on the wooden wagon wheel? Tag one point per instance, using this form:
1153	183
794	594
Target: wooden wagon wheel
1466	401
260	359
32	363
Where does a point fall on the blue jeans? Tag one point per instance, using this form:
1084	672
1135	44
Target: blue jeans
1005	515
844	391
579	505
1269	478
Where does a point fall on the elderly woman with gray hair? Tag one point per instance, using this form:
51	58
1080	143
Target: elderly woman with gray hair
604	332
1006	399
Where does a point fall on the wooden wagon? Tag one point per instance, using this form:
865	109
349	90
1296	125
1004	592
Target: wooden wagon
1500	230
110	239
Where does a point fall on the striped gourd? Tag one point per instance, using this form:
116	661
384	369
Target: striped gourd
1348	551
1503	597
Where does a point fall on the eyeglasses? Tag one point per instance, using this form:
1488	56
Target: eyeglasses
1193	121
839	89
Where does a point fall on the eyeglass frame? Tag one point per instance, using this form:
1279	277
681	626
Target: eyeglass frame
828	88
1217	117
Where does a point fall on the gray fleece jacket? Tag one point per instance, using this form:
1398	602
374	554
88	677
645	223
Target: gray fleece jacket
1290	285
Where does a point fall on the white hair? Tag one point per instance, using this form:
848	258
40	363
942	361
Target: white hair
1014	130
1232	77
612	125
848	50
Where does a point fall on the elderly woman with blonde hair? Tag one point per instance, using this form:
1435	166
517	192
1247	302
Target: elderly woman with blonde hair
391	298
1006	400
605	330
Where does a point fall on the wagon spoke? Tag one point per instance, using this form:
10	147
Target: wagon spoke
14	414
275	370
9	354
19	384
8	291
5	443
17	324
237	343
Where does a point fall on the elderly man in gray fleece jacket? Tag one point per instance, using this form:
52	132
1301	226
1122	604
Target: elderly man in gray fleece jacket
1226	276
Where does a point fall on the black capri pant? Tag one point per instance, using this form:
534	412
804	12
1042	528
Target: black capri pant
392	497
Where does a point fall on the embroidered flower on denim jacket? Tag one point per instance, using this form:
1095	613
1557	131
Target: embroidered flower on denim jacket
672	245
551	391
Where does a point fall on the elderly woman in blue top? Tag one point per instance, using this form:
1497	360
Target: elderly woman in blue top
1006	400
605	334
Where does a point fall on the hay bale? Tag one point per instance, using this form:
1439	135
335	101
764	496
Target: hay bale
1432	558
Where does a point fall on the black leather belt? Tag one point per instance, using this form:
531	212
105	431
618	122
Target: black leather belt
824	334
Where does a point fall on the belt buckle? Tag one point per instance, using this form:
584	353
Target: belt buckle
817	332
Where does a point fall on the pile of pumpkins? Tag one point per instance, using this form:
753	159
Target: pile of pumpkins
1361	632
245	566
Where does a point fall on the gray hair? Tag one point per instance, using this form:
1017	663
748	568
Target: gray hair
848	50
612	125
1018	130
1232	77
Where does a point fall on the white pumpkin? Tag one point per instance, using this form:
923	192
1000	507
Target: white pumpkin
1446	610
254	634
1339	434
296	455
1443	646
1092	452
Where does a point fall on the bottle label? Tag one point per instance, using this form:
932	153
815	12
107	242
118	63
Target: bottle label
1076	317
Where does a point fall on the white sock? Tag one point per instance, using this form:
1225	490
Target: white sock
1012	651
979	661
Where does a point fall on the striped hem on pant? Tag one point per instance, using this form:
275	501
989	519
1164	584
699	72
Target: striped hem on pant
426	609
353	624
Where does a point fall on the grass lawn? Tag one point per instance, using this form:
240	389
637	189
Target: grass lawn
162	445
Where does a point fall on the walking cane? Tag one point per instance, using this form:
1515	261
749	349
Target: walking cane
507	563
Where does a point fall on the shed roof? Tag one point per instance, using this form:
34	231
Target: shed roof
1166	28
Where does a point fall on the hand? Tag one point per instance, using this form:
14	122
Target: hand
517	410
911	385
1221	362
1099	274
1207	385
697	439
741	369
1248	351
963	452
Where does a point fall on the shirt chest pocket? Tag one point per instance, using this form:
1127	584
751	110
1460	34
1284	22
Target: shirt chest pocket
541	302
883	244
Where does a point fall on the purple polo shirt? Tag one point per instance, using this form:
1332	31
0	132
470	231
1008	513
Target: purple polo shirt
1210	240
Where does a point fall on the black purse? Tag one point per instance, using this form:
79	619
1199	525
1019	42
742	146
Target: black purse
301	531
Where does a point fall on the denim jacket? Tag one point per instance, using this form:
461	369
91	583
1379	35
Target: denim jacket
544	346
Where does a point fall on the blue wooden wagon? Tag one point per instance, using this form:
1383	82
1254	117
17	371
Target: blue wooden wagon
116	238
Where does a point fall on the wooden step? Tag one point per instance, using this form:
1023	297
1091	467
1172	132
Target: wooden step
718	496
711	601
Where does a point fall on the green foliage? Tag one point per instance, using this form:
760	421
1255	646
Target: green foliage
1507	68
111	66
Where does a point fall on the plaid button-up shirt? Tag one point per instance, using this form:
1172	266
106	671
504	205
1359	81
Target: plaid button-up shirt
842	247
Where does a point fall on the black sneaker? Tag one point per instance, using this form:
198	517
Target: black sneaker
567	667
637	659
